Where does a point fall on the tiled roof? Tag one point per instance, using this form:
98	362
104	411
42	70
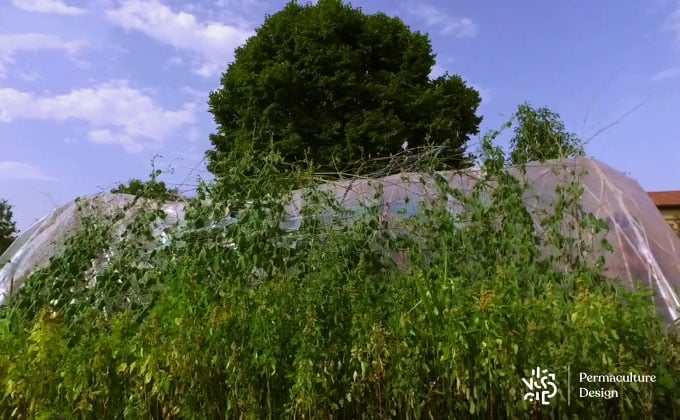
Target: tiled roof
665	199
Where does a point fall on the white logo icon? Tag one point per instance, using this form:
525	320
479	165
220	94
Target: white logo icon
539	384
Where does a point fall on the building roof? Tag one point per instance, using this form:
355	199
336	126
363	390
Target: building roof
665	199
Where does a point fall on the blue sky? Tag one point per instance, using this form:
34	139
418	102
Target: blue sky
91	90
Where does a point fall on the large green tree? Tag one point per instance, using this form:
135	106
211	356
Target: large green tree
540	135
330	83
8	228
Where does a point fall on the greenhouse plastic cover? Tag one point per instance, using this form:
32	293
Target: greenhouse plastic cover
34	248
645	247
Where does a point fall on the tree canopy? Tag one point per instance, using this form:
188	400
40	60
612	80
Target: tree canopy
540	135
8	228
329	83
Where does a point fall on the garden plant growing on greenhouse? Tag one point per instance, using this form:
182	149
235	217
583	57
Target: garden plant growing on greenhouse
322	321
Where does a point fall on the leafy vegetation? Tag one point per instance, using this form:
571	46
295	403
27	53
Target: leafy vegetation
250	320
152	189
327	83
540	135
8	227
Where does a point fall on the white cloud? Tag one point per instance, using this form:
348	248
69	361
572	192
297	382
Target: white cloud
242	4
212	43
200	97
443	23
671	73
12	44
246	14
174	61
17	171
115	113
29	76
48	6
106	136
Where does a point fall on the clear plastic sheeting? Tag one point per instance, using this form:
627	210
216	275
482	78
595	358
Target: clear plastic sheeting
645	248
34	248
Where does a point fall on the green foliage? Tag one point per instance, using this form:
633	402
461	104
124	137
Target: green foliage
149	189
8	228
540	135
152	189
250	320
330	84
